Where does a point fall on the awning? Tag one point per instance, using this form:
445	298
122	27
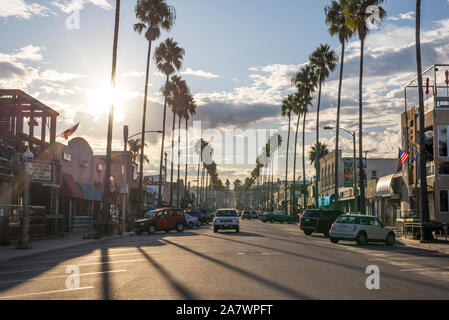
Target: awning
70	188
327	200
383	187
90	192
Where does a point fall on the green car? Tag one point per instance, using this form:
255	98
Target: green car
277	216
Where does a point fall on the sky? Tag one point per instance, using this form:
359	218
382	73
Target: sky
239	59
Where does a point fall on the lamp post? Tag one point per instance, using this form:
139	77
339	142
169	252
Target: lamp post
24	241
139	196
354	161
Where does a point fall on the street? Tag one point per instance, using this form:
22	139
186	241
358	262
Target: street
263	261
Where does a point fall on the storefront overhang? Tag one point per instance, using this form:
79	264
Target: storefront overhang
383	187
70	189
90	192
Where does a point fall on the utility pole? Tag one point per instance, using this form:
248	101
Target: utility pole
125	178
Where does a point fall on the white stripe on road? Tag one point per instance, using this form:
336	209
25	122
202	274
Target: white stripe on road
424	269
83	264
64	276
45	292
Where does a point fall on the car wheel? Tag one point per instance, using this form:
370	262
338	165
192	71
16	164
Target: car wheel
390	239
190	225
215	229
334	240
308	232
167	231
265	221
180	227
138	232
152	229
326	234
272	220
361	239
237	230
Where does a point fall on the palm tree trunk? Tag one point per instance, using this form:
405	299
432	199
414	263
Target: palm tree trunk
304	159
425	234
172	157
179	157
317	157
159	189
361	171
337	133
187	154
198	180
202	186
294	168
111	116
139	191
286	163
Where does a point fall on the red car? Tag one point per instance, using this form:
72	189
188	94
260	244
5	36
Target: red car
164	219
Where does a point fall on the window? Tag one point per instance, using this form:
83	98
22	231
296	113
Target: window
373	174
442	141
364	221
374	222
444	201
443	169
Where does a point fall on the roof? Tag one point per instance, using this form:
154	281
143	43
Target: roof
24	99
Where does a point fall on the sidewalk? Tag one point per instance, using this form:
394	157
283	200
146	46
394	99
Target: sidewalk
42	246
437	245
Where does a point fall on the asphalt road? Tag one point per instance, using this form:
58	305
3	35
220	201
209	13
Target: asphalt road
263	261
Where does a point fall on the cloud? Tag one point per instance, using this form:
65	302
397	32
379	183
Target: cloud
10	70
55	76
403	16
68	6
22	10
200	73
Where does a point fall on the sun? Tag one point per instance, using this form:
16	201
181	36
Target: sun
101	99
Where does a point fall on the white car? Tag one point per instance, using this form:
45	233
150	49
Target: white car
361	229
226	219
192	221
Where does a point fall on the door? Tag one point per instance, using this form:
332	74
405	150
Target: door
366	225
162	220
377	228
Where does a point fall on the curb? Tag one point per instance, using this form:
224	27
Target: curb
423	246
71	245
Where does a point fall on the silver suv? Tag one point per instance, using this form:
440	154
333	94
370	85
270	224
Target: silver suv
226	219
361	229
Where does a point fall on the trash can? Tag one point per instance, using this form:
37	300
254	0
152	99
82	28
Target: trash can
4	230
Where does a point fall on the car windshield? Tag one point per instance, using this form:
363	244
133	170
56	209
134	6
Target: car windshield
194	213
277	212
150	214
226	213
311	213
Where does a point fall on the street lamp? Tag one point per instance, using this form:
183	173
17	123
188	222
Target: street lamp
24	241
139	192
354	166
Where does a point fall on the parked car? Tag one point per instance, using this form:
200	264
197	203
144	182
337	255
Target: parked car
164	219
361	229
254	215
192	221
246	215
226	219
198	214
318	220
277	216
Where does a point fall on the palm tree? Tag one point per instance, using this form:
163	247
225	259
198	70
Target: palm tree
318	149
425	234
134	148
356	14
306	81
298	110
288	104
111	115
168	58
325	60
190	110
338	25
152	16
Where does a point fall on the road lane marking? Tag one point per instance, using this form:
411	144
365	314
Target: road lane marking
45	292
424	269
82	264
64	276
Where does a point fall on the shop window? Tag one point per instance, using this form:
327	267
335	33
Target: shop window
444	201
443	169
442	141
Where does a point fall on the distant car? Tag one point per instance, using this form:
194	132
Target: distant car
277	216
254	215
192	221
318	220
361	229
226	219
164	219
198	214
246	215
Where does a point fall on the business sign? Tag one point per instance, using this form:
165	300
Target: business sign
152	187
153	180
42	171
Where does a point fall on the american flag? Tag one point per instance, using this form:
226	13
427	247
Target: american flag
402	158
66	134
